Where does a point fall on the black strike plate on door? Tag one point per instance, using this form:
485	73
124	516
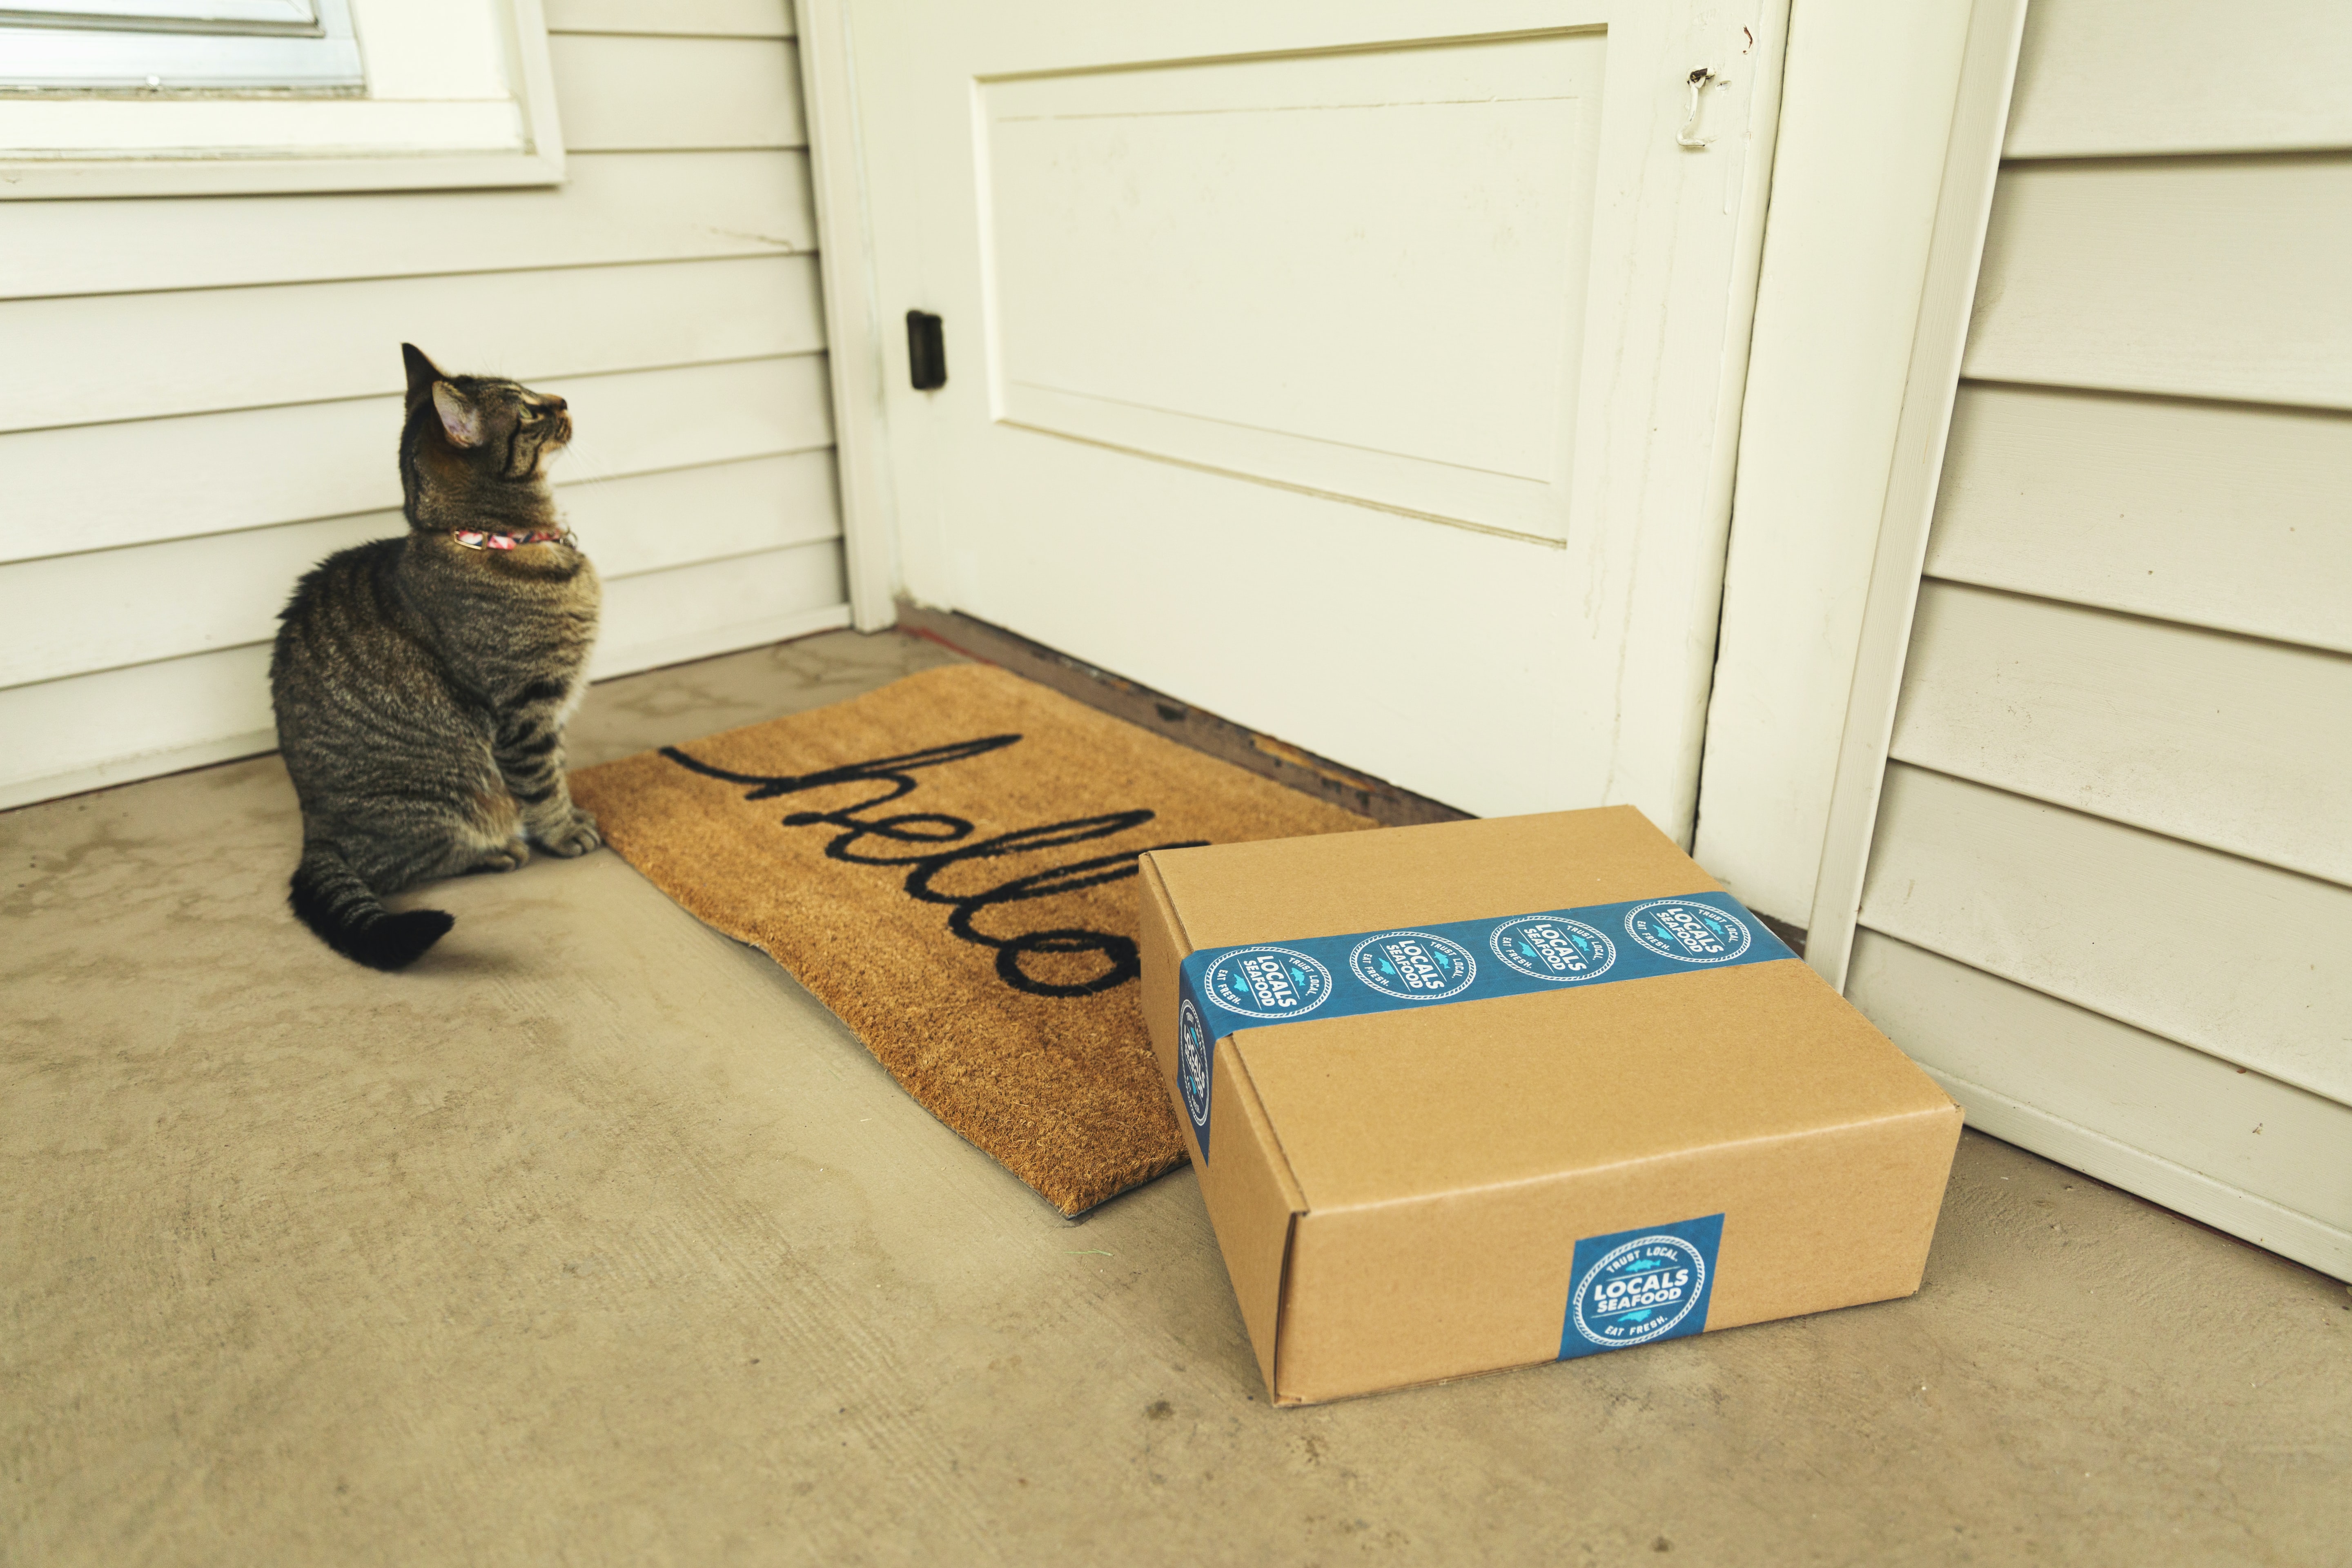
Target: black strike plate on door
927	352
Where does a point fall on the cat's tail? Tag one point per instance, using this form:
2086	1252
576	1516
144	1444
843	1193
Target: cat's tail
329	897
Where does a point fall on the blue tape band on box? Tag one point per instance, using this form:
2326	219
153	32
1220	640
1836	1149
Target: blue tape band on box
1264	984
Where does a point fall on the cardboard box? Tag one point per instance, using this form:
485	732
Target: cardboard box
1554	1093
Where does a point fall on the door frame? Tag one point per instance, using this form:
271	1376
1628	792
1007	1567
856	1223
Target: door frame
1889	133
1931	388
853	326
1890	143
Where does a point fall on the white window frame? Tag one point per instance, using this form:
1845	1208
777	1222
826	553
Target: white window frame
159	45
427	94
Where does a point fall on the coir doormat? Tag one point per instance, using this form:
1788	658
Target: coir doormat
948	864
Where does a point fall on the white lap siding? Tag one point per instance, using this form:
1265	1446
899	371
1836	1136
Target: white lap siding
203	394
2110	888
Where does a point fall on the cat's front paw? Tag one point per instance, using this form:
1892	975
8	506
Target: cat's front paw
576	837
507	857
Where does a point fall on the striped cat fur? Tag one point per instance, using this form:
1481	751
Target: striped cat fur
422	683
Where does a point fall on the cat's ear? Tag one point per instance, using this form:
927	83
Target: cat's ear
460	420
422	374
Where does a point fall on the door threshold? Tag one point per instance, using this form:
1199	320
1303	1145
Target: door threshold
1178	721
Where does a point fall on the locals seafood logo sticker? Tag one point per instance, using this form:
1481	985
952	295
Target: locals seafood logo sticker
1192	1064
1414	965
1636	1288
1639	1292
1268	982
1553	948
1688	931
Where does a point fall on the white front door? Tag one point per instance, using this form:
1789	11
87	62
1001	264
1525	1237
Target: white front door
1365	372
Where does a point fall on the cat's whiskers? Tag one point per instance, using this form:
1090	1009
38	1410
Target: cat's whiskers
578	460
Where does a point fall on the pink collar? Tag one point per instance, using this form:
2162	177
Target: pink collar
475	539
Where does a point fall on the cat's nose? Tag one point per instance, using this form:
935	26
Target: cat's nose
555	403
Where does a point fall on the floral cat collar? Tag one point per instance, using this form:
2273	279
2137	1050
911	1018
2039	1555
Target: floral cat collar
476	539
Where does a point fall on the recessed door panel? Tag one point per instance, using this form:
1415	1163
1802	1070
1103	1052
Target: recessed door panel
1357	272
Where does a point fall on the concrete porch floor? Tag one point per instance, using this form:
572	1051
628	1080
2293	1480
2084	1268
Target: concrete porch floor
593	1239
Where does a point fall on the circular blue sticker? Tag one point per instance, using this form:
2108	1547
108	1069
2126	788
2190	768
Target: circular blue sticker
1688	931
1267	983
1414	965
1638	1292
1553	948
1193	1063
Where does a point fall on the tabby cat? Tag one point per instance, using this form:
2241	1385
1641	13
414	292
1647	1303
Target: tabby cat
422	683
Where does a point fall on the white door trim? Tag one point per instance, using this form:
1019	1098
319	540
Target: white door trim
1890	138
1972	160
854	334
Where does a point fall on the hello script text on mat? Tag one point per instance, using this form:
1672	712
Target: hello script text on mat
945	863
